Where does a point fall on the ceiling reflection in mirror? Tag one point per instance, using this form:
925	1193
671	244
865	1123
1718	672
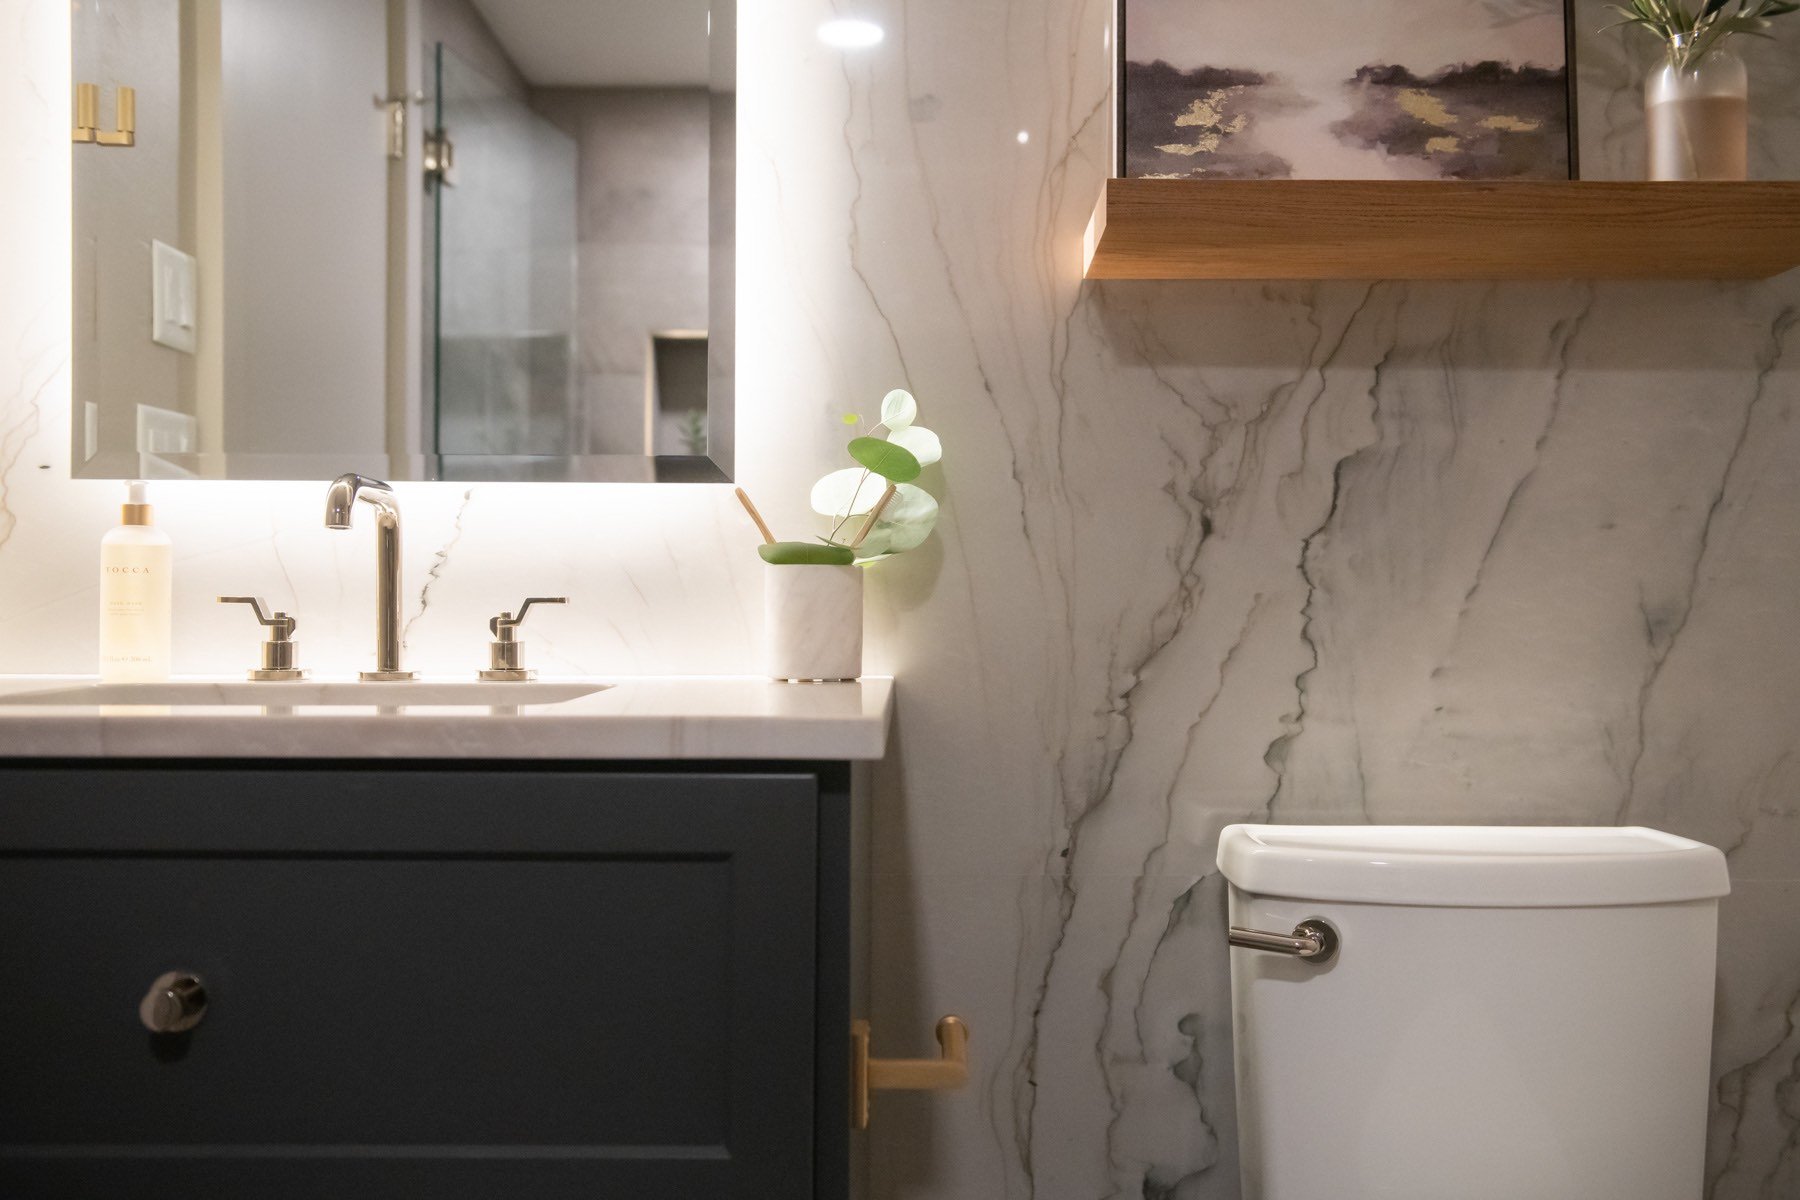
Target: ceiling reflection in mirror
417	239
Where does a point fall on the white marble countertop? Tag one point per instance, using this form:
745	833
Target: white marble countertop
649	717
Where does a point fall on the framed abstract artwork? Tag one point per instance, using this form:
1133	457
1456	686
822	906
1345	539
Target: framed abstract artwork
1346	89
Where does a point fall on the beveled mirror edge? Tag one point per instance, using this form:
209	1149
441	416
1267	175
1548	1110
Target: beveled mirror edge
722	200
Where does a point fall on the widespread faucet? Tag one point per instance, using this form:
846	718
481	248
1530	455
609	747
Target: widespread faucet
345	491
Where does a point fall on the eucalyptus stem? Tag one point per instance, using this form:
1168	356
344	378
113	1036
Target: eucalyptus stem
850	510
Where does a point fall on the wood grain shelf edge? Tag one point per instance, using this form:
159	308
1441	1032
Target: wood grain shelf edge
1441	229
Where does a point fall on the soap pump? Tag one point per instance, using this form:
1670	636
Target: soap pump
135	595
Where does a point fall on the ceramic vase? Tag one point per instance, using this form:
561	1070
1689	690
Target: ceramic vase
812	628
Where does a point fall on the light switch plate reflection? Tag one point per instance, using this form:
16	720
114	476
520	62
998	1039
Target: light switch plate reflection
173	303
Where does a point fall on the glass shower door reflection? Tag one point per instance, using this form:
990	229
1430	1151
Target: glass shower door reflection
502	368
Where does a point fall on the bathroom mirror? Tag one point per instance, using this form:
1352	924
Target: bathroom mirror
418	239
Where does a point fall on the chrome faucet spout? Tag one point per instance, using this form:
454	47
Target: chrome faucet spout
346	490
340	501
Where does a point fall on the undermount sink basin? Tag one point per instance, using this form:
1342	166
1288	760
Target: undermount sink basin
306	693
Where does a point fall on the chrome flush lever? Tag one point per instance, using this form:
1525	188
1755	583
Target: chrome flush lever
1314	941
506	653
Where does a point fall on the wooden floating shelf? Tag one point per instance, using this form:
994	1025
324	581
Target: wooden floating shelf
1441	229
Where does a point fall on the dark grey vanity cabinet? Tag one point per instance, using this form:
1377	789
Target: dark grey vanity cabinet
497	981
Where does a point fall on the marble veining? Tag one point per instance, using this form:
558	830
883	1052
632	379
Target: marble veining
1210	552
440	559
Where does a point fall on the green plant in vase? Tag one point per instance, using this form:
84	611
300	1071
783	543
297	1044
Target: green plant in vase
875	509
1690	34
1697	101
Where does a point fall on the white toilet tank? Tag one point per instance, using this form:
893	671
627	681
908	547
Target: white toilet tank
1507	1014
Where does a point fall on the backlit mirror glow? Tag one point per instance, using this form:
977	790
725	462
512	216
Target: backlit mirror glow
850	34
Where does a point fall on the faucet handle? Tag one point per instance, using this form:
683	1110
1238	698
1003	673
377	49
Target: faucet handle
506	653
278	651
280	622
507	621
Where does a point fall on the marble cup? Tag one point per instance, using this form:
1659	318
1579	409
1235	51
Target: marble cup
812	627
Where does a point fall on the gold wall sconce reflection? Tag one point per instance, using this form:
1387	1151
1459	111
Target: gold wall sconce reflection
87	116
946	1073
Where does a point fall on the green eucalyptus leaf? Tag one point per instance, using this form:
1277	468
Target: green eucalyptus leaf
805	554
893	463
846	493
906	522
912	514
924	444
899	409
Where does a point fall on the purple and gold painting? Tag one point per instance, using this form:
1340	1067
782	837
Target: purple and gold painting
1346	89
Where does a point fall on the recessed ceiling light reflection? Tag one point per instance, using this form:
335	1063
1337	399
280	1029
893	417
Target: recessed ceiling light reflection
850	34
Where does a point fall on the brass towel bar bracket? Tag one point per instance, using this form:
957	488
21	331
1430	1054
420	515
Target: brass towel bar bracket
87	116
946	1073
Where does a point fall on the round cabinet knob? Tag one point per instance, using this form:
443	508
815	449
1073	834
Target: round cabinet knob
174	1004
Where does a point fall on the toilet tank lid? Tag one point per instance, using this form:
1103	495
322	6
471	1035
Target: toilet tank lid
1471	866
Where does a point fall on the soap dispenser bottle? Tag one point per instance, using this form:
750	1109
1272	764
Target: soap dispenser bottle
135	598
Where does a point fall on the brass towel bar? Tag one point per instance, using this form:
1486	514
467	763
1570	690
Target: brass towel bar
945	1073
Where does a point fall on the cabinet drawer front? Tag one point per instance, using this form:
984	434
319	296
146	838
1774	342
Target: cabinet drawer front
632	1011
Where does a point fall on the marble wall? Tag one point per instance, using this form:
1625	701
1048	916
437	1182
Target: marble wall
1210	552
